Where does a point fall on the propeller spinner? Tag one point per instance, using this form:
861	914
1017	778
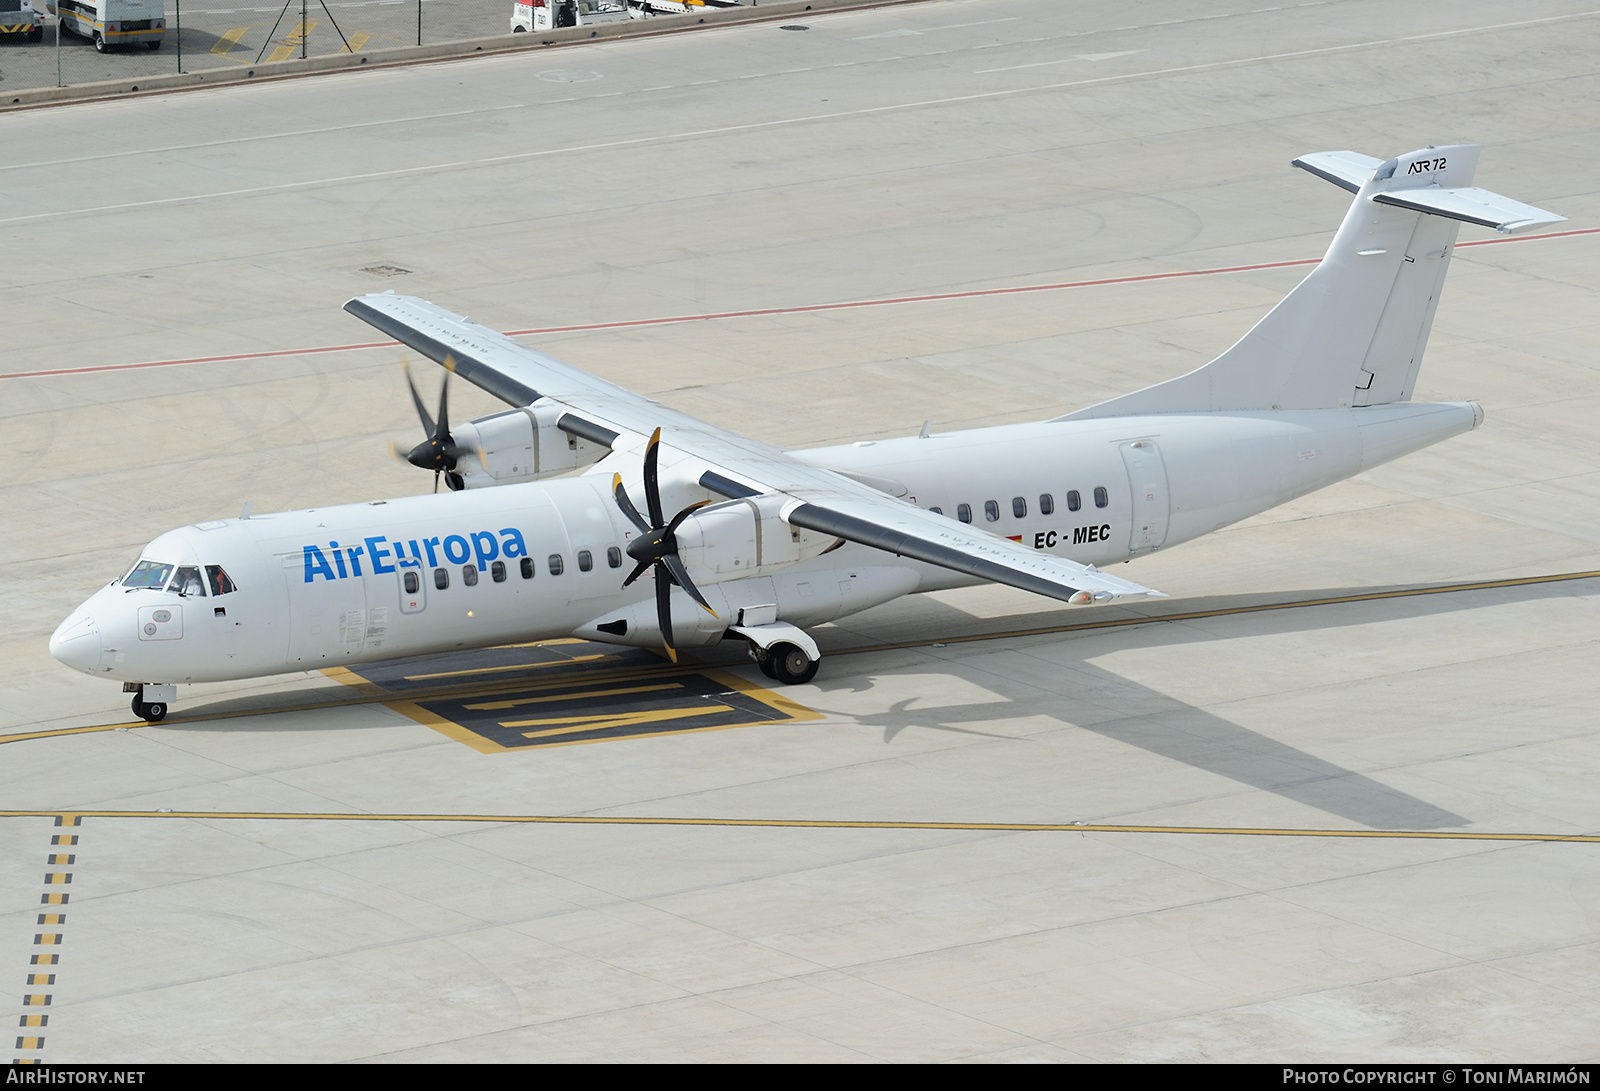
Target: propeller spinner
657	544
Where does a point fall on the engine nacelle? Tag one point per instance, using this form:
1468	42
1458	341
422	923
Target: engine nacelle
746	537
521	445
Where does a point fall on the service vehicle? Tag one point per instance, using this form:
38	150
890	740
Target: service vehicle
113	23
554	14
18	17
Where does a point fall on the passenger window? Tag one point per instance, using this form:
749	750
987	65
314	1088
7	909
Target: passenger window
413	585
614	557
937	511
469	575
217	580
1047	503
187	582
527	568
585	560
991	511
497	571
1074	501
1019	507
964	512
556	564
1101	499
441	578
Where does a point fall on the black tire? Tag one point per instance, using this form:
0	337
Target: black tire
153	45
791	665
36	34
764	661
151	712
518	30
100	43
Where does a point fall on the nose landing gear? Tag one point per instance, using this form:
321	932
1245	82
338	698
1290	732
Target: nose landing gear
152	711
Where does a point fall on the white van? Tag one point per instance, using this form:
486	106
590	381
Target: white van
114	22
552	14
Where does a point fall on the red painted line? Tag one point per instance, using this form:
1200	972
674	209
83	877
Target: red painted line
810	308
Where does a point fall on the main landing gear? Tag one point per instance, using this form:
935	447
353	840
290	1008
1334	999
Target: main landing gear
784	662
152	711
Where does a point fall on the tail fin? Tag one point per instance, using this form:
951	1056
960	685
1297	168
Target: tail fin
1351	333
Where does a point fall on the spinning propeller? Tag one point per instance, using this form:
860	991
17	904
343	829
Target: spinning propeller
657	544
439	452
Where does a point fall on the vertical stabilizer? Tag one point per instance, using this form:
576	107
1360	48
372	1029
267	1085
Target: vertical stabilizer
1353	332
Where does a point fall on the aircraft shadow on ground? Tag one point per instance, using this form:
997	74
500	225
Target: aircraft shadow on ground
1165	726
1143	717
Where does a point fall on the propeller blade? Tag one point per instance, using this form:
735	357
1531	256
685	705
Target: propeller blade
681	574
642	567
652	485
416	399
684	514
664	612
627	507
443	431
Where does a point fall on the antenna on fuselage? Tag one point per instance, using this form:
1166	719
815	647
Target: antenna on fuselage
244	512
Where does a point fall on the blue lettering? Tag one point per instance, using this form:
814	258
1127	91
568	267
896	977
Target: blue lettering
486	547
433	562
514	545
451	545
355	559
376	552
316	563
338	559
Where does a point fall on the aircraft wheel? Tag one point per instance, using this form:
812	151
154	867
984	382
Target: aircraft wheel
791	665
149	711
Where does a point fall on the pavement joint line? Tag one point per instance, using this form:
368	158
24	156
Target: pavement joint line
814	823
364	696
764	312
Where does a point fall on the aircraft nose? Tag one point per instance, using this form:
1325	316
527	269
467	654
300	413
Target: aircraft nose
76	642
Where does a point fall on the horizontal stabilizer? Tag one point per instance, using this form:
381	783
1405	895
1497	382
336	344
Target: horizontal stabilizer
1347	170
1471	205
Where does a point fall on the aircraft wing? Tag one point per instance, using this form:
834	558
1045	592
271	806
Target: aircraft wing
734	466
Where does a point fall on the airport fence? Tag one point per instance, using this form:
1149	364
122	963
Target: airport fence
209	35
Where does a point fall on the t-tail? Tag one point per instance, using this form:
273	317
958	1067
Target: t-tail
1353	332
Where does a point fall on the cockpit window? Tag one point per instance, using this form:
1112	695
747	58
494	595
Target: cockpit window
187	581
217	580
151	575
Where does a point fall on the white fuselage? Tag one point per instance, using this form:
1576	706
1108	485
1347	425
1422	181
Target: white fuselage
425	574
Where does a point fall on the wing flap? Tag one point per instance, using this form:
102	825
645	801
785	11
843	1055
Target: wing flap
914	532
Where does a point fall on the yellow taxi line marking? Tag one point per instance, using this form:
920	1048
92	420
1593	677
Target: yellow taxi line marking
511	667
1194	615
229	39
607	723
488	706
282	53
822	824
301	30
354	42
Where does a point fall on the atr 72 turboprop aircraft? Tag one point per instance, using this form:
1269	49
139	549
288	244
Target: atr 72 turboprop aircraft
743	539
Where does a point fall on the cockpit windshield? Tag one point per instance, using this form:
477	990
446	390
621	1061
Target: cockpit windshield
151	575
